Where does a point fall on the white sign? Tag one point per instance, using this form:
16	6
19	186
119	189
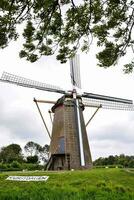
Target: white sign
27	178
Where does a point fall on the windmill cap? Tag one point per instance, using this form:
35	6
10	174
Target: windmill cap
65	99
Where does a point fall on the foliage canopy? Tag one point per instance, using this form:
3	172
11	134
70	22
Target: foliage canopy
32	148
10	153
121	160
64	26
36	152
32	159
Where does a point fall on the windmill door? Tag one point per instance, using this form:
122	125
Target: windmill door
61	145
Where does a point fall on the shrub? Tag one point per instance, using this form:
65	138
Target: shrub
15	164
32	159
3	167
30	166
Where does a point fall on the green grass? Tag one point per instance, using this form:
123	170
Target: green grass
96	184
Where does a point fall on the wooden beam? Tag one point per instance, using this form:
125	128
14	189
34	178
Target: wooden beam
93	115
45	101
42	117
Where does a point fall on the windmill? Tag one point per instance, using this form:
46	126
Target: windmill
69	148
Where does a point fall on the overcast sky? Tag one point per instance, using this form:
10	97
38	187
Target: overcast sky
110	132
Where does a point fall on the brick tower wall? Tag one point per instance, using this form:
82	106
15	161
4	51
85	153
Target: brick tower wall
71	135
58	129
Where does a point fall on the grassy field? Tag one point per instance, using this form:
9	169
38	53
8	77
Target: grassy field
96	184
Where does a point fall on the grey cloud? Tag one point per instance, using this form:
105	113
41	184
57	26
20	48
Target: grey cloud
116	132
18	121
104	148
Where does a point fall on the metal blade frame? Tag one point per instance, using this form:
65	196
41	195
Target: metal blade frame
106	98
18	80
107	104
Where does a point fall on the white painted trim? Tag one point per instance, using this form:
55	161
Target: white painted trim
82	158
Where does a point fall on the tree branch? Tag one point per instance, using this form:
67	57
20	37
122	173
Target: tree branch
73	4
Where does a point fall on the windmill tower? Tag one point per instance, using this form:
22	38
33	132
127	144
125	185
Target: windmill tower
69	144
69	148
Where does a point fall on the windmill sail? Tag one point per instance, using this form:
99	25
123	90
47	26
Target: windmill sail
107	102
75	71
18	80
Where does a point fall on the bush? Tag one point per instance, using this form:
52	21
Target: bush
15	164
3	167
30	166
32	159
